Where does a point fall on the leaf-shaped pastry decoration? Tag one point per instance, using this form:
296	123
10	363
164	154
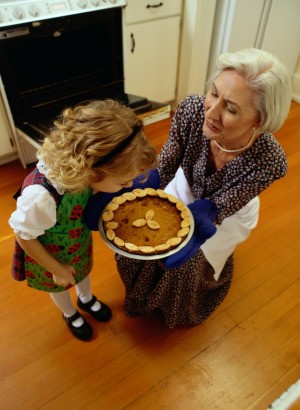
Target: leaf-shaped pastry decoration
119	242
163	248
183	232
110	233
172	199
151	191
161	193
180	206
153	224
131	247
119	200
139	192
138	223
129	196
184	214
107	216
111	225
174	241
149	214
186	223
146	249
112	206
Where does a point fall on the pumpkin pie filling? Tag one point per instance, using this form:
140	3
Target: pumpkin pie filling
146	221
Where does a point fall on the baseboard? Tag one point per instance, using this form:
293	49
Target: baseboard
296	87
4	159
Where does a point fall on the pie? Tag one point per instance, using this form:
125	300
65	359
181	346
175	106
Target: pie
146	221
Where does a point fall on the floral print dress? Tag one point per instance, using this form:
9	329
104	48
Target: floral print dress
189	294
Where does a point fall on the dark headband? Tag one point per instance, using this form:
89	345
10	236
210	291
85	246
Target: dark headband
119	148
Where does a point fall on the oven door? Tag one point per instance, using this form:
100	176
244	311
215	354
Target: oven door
50	64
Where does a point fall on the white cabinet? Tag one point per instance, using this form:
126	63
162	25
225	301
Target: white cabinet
151	32
282	33
270	25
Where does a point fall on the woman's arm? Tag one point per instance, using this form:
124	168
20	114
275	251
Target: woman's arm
185	139
262	165
62	274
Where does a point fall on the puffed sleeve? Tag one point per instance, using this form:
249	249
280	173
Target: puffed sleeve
35	213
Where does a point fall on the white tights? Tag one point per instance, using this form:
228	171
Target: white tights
63	299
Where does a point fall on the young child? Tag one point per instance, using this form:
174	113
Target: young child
95	146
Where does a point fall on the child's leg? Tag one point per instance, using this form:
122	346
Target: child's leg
64	302
76	323
84	293
89	303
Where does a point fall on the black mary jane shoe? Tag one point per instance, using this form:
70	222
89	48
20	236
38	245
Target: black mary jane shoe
83	332
102	315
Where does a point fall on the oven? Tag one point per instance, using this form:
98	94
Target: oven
57	53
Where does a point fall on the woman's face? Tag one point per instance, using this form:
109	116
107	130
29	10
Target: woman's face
114	183
229	112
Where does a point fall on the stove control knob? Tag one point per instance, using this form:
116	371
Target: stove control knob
96	3
19	13
34	10
82	4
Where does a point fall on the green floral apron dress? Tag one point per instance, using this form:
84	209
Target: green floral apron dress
69	241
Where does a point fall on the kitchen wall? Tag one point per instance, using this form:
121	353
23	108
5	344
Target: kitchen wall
211	27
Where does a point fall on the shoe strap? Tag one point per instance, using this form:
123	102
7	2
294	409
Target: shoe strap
71	319
91	302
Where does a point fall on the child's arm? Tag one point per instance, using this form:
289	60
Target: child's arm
62	274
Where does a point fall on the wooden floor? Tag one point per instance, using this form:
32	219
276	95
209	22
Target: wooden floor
243	357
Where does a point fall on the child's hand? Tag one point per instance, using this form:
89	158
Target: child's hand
65	276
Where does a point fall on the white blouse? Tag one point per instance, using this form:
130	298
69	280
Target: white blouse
36	210
232	231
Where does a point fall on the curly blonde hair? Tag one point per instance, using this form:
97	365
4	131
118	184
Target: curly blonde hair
87	132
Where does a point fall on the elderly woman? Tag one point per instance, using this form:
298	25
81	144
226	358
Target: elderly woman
221	149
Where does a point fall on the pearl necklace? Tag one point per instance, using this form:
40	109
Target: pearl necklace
235	150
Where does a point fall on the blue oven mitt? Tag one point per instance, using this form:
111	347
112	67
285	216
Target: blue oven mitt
95	206
204	212
152	181
98	202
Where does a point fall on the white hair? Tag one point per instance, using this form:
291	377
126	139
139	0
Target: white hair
269	80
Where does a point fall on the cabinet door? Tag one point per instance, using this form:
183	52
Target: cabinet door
282	32
137	11
150	58
272	26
